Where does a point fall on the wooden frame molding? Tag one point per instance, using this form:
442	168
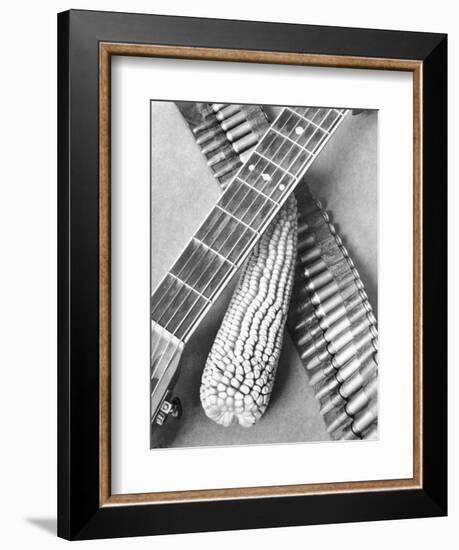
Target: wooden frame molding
106	51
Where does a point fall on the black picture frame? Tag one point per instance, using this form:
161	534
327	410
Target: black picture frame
80	513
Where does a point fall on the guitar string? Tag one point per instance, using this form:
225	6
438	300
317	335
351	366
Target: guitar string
291	114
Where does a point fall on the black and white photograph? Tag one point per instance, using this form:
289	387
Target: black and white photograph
227	275
264	274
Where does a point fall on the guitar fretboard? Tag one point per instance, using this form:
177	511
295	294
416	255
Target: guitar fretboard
244	210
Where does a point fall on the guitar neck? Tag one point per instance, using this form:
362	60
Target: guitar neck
247	206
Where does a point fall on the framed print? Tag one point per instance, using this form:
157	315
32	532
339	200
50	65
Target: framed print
252	274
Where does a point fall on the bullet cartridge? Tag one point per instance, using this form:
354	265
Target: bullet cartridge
315	268
214	133
208	122
332	288
319	280
359	378
322	356
365	419
340	341
313	333
313	348
245	142
338	312
221	156
361	399
334	401
345	322
229	150
306	242
227	167
360	360
237	119
303	227
327	388
311	254
226	112
322	374
352	349
333	301
343	416
239	131
339	421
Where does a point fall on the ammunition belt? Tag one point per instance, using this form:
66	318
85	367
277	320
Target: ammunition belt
332	324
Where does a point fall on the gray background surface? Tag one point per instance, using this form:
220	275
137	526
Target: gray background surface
344	178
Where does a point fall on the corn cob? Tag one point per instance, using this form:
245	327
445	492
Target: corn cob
240	370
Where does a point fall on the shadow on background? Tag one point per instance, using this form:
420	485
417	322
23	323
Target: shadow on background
45	524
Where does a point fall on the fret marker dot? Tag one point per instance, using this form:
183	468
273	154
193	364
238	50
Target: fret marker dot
281	186
299	130
252	167
266	177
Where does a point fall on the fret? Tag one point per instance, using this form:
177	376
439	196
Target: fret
258	191
233	216
316	124
285	152
184	313
179	300
188	286
272	161
290	122
304	134
314	116
261	174
212	274
204	245
229	236
247	205
325	119
290	140
200	267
